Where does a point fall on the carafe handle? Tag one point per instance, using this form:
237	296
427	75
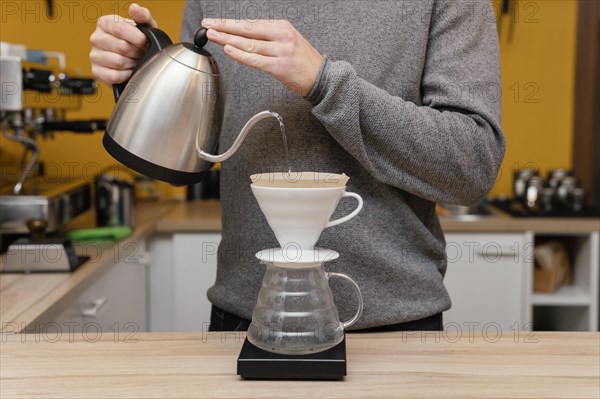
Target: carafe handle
354	319
350	216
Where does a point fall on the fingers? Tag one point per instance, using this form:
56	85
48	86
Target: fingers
274	47
117	44
262	30
108	75
141	15
248	45
122	28
253	60
112	60
103	41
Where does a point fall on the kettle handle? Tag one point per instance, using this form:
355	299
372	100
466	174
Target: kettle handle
158	41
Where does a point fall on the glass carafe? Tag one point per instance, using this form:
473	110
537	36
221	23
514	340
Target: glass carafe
295	313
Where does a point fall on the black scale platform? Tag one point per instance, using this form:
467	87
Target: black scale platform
255	363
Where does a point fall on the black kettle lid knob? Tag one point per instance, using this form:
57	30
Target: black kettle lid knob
200	38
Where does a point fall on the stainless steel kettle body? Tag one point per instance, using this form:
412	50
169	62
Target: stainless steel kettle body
167	120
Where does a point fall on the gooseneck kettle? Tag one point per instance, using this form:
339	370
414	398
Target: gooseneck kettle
167	120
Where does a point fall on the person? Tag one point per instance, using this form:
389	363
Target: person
402	96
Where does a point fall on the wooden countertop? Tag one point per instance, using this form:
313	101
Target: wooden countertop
205	216
24	297
195	216
508	224
380	365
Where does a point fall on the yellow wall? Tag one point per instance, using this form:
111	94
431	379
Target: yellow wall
539	62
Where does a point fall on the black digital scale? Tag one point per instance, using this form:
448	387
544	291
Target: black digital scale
257	364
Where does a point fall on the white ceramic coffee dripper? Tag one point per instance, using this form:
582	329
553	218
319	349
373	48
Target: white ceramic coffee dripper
298	205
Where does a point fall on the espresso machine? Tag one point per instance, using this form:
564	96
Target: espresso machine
37	92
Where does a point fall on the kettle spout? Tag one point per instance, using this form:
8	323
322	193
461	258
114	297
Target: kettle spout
240	138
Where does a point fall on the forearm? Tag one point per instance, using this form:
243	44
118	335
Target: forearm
443	155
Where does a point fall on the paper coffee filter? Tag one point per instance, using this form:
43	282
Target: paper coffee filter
299	180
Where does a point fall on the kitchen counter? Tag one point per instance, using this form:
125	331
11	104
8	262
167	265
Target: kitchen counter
203	216
195	216
380	365
24	297
508	224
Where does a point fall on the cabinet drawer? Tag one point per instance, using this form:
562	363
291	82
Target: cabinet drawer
115	300
486	277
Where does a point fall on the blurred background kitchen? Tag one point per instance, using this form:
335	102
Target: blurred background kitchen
527	257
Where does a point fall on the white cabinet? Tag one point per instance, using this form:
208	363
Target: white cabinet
122	289
487	279
158	286
184	267
114	299
490	280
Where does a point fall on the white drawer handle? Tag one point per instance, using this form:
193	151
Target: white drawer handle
96	306
498	251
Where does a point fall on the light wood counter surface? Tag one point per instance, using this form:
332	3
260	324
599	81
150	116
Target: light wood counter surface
380	365
205	216
508	224
24	297
195	216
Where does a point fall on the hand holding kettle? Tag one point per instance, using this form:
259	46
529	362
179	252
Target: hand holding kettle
167	121
117	45
274	47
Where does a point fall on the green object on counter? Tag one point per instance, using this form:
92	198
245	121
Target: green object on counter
100	234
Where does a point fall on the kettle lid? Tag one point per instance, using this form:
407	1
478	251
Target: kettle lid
194	55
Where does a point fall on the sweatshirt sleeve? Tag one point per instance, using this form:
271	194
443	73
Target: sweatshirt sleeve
446	149
192	16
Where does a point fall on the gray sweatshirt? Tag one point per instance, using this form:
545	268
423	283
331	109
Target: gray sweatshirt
407	104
